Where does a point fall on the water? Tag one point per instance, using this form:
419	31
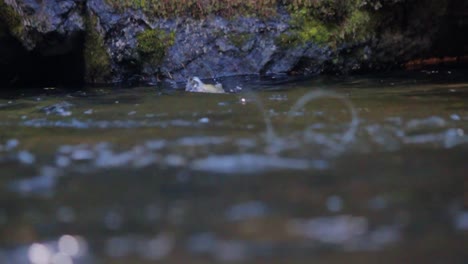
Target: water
369	169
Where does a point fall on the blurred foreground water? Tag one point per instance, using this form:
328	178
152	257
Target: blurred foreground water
145	175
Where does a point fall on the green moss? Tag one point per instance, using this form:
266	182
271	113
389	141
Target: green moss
153	45
10	19
357	27
239	39
97	60
306	28
327	11
328	22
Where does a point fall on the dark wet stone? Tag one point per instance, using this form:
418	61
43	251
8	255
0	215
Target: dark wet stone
51	25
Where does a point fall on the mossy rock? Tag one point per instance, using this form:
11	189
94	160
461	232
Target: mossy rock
327	11
97	60
240	39
328	23
153	45
10	19
357	27
306	28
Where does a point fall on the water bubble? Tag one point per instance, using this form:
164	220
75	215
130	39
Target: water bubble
62	161
106	158
155	144
455	117
69	245
334	230
453	137
26	157
204	120
39	254
143	160
175	160
82	154
11	144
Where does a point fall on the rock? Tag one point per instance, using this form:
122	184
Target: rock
50	26
124	44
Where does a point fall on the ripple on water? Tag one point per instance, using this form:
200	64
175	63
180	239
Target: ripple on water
350	232
42	184
245	211
396	133
249	163
150	248
102	124
201	141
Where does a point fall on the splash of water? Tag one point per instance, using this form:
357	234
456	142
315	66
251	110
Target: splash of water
311	136
276	144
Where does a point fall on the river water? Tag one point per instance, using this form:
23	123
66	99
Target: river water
360	169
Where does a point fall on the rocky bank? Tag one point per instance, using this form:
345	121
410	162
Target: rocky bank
123	41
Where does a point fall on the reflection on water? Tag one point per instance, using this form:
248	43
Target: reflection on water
357	170
65	250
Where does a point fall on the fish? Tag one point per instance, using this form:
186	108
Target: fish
194	84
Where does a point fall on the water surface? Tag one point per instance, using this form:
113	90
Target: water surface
139	175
